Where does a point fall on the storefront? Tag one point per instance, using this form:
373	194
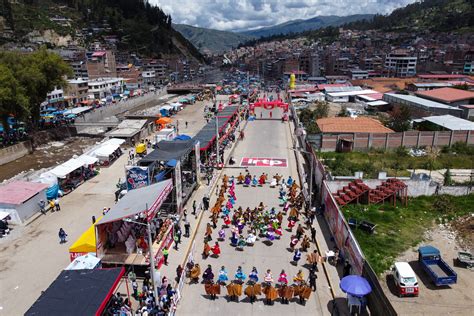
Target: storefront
122	242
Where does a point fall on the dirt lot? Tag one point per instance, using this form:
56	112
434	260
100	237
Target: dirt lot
450	300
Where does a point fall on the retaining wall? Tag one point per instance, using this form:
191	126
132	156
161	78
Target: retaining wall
14	152
365	141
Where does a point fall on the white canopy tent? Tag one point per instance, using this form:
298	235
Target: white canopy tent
87	160
84	262
67	167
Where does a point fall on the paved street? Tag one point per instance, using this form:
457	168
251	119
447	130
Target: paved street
32	257
264	138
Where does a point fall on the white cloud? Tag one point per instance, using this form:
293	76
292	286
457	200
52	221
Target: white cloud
236	15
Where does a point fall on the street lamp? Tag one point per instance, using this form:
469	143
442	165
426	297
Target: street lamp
152	257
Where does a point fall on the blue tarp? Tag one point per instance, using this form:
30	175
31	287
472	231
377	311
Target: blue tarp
172	163
160	176
182	137
52	192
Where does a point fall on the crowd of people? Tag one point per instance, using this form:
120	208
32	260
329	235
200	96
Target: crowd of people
244	227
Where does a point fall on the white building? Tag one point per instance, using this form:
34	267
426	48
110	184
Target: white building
400	64
103	87
359	74
149	77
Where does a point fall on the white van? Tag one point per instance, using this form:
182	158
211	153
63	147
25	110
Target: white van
405	279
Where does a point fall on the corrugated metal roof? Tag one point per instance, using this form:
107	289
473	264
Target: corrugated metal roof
451	122
19	191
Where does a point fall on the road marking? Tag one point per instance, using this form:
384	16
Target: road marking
263	162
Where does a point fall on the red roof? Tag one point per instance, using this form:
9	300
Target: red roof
98	54
447	95
443	76
358	124
20	191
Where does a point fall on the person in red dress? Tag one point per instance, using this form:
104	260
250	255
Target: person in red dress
216	250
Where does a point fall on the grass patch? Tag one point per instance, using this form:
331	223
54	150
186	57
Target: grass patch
395	163
399	228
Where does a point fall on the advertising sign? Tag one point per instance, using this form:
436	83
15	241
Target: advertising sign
197	152
137	177
178	186
263	162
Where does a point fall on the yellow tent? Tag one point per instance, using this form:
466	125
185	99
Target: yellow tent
84	244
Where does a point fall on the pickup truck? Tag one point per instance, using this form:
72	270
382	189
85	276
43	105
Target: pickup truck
439	271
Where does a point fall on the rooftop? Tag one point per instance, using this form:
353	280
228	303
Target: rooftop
358	124
420	101
19	191
447	95
451	122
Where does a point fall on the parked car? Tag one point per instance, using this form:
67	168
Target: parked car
405	279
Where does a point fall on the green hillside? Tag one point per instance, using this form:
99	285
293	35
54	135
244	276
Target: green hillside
139	26
209	40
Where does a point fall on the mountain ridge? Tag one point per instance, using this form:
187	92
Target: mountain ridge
301	25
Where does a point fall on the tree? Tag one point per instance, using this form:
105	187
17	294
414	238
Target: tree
399	119
447	177
322	109
26	79
343	112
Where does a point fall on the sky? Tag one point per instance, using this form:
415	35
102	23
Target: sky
237	15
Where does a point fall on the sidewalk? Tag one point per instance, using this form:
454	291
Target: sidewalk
325	243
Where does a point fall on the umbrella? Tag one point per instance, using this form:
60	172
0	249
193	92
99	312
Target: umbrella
355	285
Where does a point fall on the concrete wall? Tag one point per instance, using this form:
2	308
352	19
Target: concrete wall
21	213
365	141
14	152
415	187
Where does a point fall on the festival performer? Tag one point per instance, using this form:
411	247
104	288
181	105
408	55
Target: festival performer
221	233
293	242
248	180
240	178
283	278
268	279
253	276
226	212
289	182
261	179
252	290
234	239
234	290
216	250
240	275
251	238
214	220
254	181
277	177
286	293
270	294
278	232
299	231
195	273
208	275
206	250
291	223
225	179
294	214
286	206
241	242
282	193
208	235
297	256
299	278
270	235
313	259
304	293
305	243
212	289
223	278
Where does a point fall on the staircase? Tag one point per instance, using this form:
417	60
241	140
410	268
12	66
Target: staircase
387	190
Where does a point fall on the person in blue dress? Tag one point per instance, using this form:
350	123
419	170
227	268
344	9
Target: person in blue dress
253	276
297	256
289	182
223	278
240	275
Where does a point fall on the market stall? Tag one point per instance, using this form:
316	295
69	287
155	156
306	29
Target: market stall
85	244
122	242
84	262
70	175
108	151
78	293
